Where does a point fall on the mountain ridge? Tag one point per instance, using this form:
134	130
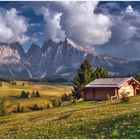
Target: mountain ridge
56	59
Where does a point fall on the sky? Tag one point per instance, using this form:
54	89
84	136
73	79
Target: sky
111	28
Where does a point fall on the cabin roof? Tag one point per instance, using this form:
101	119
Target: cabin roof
110	82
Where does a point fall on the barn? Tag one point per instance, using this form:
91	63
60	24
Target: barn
102	88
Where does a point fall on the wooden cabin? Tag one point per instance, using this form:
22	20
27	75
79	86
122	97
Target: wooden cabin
102	88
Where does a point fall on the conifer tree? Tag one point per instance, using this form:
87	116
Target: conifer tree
83	77
100	72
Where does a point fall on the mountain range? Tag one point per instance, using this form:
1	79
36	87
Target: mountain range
60	59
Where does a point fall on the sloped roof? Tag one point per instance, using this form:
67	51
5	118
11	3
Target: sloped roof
109	82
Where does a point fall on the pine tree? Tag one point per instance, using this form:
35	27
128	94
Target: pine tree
37	94
83	77
100	72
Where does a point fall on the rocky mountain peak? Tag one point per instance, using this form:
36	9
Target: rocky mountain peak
55	59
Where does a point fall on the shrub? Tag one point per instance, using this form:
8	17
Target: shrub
2	107
124	97
66	97
28	94
36	107
25	94
56	103
76	94
37	94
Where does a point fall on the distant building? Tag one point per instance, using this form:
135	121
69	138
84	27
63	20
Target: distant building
101	88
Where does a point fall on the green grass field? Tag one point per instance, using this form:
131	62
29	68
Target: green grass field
104	119
12	94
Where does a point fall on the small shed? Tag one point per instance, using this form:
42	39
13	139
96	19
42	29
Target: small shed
101	88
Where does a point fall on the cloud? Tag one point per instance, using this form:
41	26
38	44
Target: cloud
77	21
34	39
12	26
125	38
53	28
32	25
129	11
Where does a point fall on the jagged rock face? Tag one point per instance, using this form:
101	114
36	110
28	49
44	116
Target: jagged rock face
61	58
11	57
9	54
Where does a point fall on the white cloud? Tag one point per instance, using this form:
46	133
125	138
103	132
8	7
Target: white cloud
125	38
129	11
34	39
77	21
34	25
53	29
22	39
12	26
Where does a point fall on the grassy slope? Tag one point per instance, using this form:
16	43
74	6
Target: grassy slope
12	93
85	120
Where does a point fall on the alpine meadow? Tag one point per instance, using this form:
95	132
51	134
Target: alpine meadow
69	70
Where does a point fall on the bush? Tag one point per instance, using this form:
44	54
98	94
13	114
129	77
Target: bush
36	107
124	97
66	97
76	94
25	94
28	94
56	103
2	107
37	94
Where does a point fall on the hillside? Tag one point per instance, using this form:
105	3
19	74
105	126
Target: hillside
91	119
12	93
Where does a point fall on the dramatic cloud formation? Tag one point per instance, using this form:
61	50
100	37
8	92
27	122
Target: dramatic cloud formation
12	26
125	38
77	21
53	28
108	27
